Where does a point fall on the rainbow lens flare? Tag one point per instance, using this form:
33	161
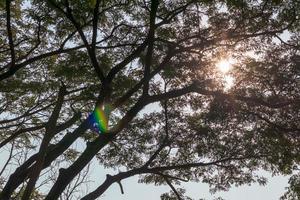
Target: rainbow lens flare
98	119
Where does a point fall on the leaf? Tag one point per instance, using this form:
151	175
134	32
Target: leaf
93	3
2	3
17	10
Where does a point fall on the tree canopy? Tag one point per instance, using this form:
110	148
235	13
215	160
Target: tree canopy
134	85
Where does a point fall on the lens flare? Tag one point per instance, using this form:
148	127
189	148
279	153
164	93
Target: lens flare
98	119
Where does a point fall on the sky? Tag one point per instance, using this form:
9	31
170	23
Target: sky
136	191
133	190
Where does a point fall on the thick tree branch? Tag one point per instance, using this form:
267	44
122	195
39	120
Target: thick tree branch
53	152
151	36
66	175
95	26
9	33
38	166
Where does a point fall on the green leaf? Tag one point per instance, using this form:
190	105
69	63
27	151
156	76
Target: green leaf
93	3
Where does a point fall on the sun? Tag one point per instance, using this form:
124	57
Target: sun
224	66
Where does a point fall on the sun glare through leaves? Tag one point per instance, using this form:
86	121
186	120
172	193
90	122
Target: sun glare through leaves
224	66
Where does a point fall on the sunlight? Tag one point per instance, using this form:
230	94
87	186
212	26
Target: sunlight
224	66
228	82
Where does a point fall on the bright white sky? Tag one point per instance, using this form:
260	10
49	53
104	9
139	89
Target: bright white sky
136	191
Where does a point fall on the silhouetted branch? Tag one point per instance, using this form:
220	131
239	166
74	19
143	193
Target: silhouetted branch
9	33
156	170
9	158
38	166
149	53
68	13
172	187
19	132
121	187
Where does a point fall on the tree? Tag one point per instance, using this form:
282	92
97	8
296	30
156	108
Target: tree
63	61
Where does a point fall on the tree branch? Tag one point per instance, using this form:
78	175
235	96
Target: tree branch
151	36
172	187
9	33
134	89
53	152
9	158
19	132
38	166
142	170
95	26
17	67
121	187
66	175
92	54
254	101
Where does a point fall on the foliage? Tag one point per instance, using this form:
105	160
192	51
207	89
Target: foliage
173	118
